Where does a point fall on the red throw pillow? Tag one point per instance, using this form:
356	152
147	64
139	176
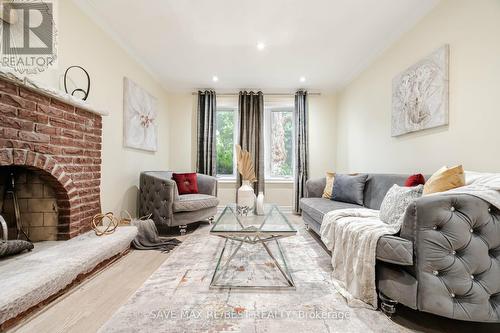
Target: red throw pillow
415	180
187	183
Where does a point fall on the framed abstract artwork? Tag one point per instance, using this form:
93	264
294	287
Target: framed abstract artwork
140	130
420	95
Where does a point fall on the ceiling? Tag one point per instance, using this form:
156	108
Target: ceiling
184	43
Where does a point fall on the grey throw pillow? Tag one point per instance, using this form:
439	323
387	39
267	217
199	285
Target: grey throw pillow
396	201
347	188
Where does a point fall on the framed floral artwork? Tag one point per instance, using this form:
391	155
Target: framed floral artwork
140	129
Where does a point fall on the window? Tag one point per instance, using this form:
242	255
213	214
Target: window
278	140
279	146
225	140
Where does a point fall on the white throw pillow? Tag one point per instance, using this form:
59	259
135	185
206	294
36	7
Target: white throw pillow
396	201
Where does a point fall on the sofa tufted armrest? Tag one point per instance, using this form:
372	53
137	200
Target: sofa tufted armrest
457	255
207	184
315	187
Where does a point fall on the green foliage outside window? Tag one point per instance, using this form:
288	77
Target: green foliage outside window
225	142
280	152
281	144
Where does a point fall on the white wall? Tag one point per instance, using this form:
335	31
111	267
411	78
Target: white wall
322	148
81	42
322	128
182	120
472	29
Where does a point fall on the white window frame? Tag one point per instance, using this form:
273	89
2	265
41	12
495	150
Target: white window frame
268	109
231	177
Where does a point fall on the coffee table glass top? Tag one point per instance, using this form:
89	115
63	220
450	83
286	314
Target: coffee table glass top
272	222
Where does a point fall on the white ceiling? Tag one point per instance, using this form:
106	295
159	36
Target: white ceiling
184	43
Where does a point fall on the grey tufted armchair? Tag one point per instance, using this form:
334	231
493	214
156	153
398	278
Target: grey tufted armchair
456	266
160	197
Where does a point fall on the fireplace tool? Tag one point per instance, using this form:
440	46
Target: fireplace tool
10	189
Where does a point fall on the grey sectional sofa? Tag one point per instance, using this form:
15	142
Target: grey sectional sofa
446	259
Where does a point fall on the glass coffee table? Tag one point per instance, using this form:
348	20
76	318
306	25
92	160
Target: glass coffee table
239	264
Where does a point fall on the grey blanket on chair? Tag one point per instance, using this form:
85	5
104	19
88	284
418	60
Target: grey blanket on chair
147	237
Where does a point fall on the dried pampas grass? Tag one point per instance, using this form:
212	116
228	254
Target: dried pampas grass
245	164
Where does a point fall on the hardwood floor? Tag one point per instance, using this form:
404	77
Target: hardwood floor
88	306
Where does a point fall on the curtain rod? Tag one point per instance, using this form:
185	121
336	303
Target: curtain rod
265	94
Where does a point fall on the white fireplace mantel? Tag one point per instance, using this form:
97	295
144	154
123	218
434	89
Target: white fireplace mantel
50	92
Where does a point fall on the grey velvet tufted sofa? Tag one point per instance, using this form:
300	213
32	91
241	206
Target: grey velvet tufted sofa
160	197
446	259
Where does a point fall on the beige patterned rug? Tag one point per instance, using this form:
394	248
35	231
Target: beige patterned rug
177	297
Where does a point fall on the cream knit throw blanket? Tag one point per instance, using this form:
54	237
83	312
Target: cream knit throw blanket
352	235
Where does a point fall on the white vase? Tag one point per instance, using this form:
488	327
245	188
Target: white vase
259	205
246	199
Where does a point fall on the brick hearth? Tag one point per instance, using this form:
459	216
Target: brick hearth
62	143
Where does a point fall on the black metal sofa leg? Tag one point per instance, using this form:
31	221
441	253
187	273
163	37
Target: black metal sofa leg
387	305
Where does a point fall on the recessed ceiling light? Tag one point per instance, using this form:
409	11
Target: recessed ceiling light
261	46
302	79
215	78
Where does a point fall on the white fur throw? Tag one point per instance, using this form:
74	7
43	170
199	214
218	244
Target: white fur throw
485	186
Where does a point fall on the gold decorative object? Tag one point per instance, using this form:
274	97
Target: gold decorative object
245	165
104	224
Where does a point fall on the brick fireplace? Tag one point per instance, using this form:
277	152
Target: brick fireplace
54	149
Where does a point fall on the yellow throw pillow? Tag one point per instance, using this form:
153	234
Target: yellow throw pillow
330	178
445	179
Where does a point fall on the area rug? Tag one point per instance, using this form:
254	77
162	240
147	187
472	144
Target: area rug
177	297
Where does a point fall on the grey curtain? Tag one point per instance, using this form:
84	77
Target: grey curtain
301	148
205	157
251	132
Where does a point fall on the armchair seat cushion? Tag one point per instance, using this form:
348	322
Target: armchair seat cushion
194	202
